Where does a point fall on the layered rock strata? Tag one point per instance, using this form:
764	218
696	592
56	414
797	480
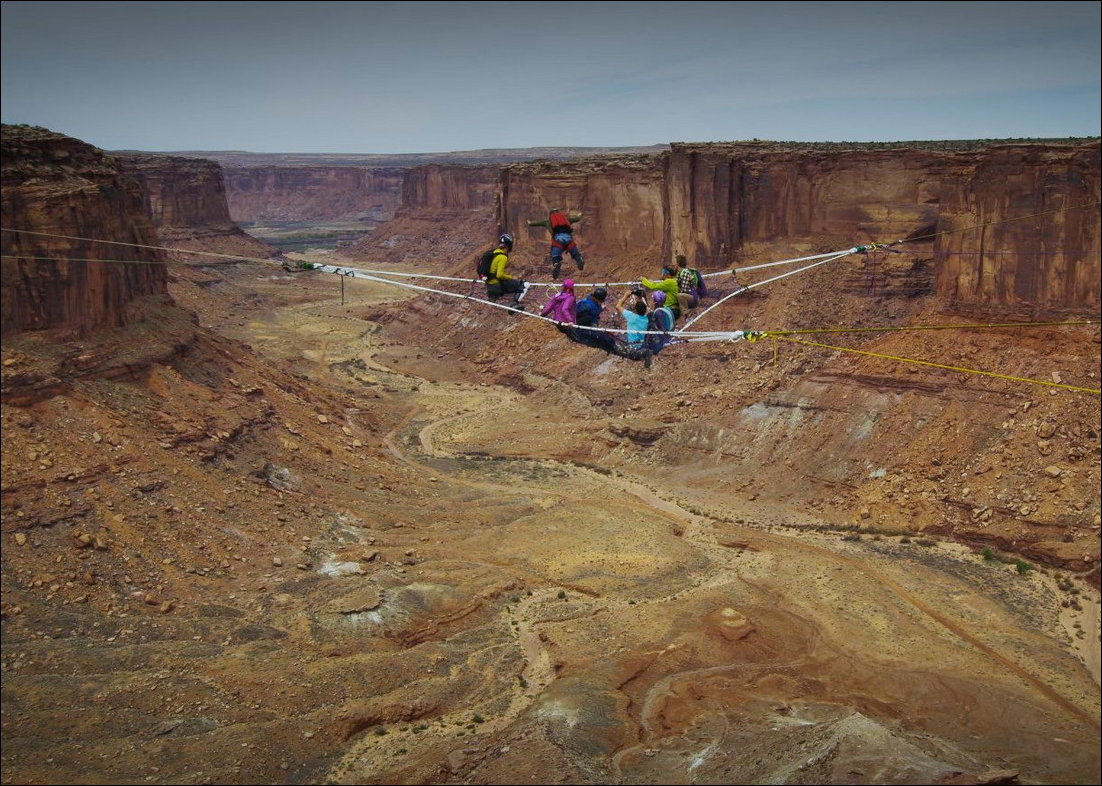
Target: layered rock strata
61	196
186	198
1012	228
312	193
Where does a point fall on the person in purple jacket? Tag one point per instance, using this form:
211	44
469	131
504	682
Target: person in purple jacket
561	307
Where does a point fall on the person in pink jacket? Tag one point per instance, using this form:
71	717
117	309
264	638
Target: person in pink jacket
561	307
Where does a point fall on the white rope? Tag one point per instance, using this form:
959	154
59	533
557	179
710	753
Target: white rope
377	276
356	273
747	288
781	262
138	245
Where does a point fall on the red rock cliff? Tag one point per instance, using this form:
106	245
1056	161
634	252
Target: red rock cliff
312	193
1031	240
440	187
63	189
724	203
186	198
446	211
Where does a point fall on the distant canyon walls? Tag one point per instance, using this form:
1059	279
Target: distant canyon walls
289	194
445	212
1001	228
61	189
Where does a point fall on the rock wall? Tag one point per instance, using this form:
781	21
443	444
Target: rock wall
446	213
721	198
440	187
1031	240
964	208
312	193
622	201
65	189
186	198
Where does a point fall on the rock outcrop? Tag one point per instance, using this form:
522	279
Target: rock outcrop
186	198
61	196
445	213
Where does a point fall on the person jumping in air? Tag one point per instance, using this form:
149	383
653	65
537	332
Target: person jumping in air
562	239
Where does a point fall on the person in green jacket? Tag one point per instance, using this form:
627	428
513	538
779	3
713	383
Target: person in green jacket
562	238
668	284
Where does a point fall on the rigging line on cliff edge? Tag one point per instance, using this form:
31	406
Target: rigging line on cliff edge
737	335
961	369
709	334
41	258
681	334
134	245
748	287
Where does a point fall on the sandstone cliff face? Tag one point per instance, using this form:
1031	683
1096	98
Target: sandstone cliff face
186	198
727	204
449	188
1031	239
722	197
181	192
65	189
622	201
312	193
445	213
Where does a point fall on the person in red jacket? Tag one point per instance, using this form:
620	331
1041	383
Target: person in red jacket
562	239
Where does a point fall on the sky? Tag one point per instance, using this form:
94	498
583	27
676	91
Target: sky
418	77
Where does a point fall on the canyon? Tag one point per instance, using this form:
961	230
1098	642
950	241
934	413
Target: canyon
266	524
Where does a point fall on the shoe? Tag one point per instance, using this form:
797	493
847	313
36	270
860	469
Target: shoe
647	359
517	307
581	263
556	267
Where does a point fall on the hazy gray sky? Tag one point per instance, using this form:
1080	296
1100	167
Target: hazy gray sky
438	76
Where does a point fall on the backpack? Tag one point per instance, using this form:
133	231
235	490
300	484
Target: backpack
661	318
701	287
485	262
559	221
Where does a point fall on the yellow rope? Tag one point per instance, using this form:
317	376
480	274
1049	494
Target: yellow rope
931	327
937	365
